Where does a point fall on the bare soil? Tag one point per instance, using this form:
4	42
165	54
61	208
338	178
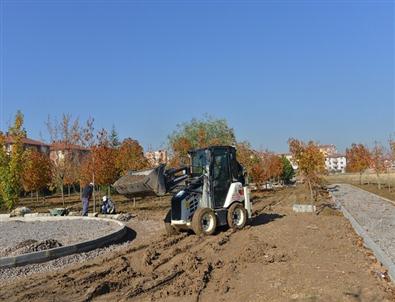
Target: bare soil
73	202
280	256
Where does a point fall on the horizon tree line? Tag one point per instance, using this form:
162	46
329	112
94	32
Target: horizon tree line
85	155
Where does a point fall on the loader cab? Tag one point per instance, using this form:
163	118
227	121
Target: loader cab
223	169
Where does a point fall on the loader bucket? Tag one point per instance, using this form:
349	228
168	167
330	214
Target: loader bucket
150	182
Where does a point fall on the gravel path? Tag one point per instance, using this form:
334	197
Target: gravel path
16	234
374	214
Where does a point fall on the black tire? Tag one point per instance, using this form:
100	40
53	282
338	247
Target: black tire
204	221
237	216
170	230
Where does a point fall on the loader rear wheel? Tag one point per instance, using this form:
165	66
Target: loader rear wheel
170	230
204	221
237	216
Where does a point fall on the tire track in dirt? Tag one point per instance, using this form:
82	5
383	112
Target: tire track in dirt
178	266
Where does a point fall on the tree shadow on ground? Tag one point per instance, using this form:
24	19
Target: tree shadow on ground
265	218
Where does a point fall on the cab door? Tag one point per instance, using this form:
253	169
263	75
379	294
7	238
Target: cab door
221	179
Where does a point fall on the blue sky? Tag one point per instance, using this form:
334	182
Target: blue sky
321	70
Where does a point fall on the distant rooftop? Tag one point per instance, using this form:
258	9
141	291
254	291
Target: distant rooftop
27	141
63	146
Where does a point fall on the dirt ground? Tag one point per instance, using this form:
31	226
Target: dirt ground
280	256
73	203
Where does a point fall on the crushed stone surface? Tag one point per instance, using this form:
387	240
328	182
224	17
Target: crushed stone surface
373	213
7	275
19	237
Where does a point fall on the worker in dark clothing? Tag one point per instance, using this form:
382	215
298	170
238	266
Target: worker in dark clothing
86	196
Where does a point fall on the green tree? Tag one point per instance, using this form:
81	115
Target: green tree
113	137
11	163
288	172
199	133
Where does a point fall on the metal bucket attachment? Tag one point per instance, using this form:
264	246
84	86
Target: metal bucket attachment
150	182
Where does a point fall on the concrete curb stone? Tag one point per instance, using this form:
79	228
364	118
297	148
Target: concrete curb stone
46	255
368	241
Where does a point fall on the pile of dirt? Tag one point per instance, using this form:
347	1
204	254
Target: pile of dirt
30	246
125	217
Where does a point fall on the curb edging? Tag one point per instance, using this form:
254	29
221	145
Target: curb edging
50	254
368	241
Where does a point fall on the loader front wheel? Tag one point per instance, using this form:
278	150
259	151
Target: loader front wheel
204	221
237	216
170	230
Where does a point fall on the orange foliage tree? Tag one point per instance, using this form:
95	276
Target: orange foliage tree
37	172
358	159
310	161
252	162
99	166
272	164
130	156
180	147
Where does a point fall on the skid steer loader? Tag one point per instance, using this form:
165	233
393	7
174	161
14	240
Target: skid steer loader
212	191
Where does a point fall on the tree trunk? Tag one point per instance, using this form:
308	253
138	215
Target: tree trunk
311	190
31	196
378	182
61	190
68	189
94	199
109	191
80	191
37	196
360	178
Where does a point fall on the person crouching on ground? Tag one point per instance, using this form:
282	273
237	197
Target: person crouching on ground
86	196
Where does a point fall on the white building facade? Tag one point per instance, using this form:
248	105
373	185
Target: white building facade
336	163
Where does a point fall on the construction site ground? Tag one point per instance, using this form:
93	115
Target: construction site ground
279	256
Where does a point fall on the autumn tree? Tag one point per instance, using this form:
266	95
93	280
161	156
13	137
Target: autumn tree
100	165
11	163
198	134
377	161
252	162
37	172
391	160
358	159
180	147
272	164
392	148
310	161
65	136
288	171
88	133
130	156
